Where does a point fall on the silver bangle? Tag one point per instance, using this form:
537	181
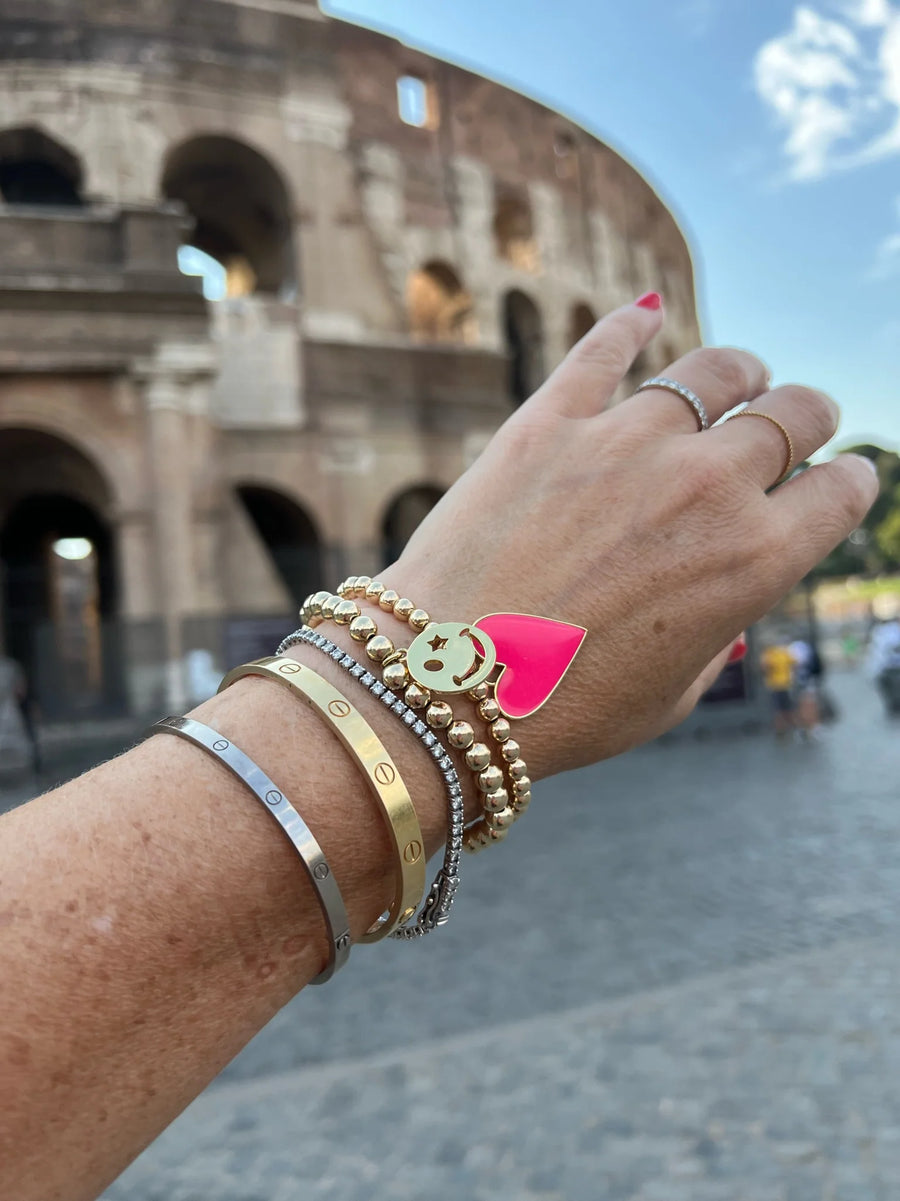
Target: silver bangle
275	802
436	908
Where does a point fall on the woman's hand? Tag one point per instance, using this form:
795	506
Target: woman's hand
660	540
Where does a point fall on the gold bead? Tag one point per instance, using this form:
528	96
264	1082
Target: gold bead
395	676
316	601
417	697
476	838
489	709
329	606
517	769
403	608
361	583
478	756
502	819
362	628
374	591
497	835
490	779
379	647
521	803
439	715
510	750
521	786
345	588
461	735
345	611
388	599
418	619
480	692
496	800
500	729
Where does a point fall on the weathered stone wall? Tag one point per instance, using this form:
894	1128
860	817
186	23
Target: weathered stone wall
316	388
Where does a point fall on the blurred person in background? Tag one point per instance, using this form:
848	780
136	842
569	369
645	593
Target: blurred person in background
18	743
807	665
883	664
778	675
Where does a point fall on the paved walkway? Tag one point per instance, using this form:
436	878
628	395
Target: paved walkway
695	995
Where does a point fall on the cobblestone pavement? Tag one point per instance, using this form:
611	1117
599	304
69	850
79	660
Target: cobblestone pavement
694	995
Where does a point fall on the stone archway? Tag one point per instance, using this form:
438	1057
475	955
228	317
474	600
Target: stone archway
524	333
37	170
582	319
58	577
404	515
288	534
242	211
439	306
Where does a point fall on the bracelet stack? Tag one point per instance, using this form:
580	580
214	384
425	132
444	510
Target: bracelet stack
505	788
506	664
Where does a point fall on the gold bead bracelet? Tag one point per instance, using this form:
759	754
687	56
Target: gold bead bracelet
506	790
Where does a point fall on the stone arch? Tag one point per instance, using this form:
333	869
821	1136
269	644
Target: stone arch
524	333
242	211
122	484
404	514
513	228
582	319
641	369
59	591
35	169
438	305
288	533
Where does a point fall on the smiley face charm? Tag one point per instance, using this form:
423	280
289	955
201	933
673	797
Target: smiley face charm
451	657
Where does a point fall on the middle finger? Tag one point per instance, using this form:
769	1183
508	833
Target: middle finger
722	377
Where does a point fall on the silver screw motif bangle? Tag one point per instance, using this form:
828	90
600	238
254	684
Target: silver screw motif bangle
275	802
436	908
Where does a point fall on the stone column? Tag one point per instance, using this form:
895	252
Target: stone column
174	382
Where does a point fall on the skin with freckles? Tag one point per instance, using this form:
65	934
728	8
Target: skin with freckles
152	915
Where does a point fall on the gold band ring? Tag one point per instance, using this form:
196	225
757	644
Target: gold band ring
376	765
789	461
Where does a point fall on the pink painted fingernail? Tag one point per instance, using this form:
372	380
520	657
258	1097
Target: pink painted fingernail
650	300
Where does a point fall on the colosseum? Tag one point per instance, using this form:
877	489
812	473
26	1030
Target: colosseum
269	282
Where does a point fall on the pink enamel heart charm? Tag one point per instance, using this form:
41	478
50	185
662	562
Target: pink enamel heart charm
536	652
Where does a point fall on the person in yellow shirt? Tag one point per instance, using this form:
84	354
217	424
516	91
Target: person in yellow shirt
778	665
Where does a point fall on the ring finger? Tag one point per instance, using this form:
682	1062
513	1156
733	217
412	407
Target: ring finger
721	377
802	421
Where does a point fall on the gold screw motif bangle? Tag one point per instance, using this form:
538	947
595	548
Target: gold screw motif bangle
377	767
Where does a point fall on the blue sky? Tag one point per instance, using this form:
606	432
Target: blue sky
771	129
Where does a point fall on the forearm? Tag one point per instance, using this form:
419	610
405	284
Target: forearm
153	918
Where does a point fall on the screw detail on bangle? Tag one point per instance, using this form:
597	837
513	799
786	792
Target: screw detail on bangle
435	909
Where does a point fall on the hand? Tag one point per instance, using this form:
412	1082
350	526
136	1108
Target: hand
660	540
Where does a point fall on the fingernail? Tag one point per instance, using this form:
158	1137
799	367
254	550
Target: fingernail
870	463
738	650
650	300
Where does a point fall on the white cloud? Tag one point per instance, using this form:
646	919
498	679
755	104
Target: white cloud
833	84
867	12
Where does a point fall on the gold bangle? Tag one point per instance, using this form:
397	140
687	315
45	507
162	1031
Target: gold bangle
505	790
376	765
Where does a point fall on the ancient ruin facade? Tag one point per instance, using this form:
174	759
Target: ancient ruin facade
405	250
